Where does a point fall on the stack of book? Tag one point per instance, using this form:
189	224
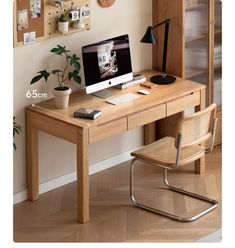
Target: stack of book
87	113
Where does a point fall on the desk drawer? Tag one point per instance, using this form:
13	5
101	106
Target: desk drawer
183	103
146	116
107	129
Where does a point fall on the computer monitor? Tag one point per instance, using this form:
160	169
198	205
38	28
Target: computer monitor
107	63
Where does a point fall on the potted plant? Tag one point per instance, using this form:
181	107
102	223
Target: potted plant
16	130
63	23
70	71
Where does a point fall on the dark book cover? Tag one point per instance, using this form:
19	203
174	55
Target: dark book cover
87	113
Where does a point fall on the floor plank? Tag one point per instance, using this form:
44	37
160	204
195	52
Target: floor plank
113	218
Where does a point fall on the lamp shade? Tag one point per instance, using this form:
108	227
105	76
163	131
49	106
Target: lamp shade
149	36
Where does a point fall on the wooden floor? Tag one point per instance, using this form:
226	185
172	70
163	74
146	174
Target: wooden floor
113	218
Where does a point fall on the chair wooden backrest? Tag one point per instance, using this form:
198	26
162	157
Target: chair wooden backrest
197	128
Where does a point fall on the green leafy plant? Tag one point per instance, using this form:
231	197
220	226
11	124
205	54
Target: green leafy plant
17	130
63	18
70	71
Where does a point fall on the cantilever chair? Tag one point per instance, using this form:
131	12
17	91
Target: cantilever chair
169	153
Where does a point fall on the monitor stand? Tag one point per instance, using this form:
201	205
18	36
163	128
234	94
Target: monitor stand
104	93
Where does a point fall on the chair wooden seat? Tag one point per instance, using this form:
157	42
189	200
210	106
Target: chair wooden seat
163	153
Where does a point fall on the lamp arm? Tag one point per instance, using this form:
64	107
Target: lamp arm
165	48
161	23
164	57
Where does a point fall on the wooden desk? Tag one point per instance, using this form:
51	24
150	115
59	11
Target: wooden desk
163	101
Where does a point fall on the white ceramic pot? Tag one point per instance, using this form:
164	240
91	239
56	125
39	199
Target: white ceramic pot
63	27
62	97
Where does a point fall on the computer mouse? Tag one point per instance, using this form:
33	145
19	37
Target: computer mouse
143	92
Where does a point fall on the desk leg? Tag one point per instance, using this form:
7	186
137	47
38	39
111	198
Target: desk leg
200	165
32	158
149	133
82	176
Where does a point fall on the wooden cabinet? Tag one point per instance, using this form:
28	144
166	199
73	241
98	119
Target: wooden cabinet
196	39
203	49
195	50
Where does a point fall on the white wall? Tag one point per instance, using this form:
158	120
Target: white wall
57	157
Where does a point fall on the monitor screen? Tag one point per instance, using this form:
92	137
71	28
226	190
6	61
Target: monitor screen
107	63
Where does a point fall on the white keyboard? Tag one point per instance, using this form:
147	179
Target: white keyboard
122	98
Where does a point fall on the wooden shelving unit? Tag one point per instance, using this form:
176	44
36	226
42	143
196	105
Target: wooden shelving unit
194	39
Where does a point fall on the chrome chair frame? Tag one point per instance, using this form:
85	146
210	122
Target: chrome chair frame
214	203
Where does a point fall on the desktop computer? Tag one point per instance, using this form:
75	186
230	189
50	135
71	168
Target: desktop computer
106	63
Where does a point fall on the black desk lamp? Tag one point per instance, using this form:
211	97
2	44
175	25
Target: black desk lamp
150	37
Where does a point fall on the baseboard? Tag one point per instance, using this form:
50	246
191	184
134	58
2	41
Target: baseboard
213	237
71	177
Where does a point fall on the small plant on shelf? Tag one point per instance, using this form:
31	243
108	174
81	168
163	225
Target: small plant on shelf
63	23
70	71
63	18
17	130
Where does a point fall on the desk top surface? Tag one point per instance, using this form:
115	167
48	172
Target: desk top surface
159	94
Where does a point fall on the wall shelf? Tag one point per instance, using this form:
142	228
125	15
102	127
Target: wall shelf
72	30
46	25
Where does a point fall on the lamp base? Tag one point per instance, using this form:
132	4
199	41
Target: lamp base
162	79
